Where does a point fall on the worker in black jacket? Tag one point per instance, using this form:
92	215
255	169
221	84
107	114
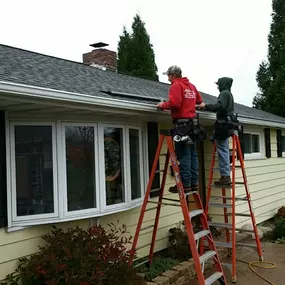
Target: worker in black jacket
224	109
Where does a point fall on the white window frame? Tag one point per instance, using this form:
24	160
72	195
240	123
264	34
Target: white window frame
141	151
96	209
123	205
261	153
16	218
59	168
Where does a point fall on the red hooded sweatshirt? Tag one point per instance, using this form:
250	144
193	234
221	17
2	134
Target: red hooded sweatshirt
182	99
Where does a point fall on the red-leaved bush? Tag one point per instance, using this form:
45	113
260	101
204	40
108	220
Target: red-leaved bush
79	257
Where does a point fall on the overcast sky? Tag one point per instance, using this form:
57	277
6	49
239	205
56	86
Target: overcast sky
207	38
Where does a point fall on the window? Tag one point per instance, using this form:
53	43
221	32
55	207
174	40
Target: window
114	165
57	173
135	163
80	167
34	169
253	144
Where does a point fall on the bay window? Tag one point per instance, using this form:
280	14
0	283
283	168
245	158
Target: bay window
62	171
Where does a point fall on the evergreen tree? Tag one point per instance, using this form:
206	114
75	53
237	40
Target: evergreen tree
271	74
135	52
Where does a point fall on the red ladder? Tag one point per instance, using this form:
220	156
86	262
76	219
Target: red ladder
199	261
211	201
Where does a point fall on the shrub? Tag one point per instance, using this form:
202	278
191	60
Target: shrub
279	228
281	212
80	257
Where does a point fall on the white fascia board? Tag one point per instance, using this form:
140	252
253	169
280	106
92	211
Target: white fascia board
33	92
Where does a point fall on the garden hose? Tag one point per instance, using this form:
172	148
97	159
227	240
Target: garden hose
260	264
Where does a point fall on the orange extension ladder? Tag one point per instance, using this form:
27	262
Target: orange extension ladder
194	238
211	201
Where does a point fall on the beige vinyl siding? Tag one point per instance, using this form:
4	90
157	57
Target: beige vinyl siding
23	243
266	180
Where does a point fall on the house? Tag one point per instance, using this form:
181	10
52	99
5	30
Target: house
62	121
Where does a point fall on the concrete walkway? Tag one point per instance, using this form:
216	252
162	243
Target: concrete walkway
272	252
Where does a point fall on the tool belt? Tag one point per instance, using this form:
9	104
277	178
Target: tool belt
224	128
189	127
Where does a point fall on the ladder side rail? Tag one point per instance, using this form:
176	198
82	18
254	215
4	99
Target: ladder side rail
211	177
259	249
146	197
226	217
208	197
162	187
185	212
233	209
209	237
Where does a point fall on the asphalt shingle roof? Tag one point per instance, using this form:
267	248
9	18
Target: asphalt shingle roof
30	68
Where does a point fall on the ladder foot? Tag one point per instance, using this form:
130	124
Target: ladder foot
261	258
234	279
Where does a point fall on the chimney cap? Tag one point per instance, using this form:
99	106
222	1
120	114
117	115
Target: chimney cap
99	45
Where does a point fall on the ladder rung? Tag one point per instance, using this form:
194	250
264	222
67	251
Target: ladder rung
218	205
201	234
195	213
150	209
239	183
159	171
229	198
209	254
141	263
147	227
165	204
154	190
169	199
229	245
220	225
229	226
163	154
191	193
213	278
239	214
221	186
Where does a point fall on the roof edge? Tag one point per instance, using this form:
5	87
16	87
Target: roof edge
35	92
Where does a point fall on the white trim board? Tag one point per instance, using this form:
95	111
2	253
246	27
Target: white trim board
56	97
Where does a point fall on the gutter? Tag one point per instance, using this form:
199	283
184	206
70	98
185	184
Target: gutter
33	92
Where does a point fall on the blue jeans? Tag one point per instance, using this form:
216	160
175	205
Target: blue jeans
224	157
188	159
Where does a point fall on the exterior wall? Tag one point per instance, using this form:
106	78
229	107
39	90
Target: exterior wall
266	179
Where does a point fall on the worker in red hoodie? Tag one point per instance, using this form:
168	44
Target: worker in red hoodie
182	100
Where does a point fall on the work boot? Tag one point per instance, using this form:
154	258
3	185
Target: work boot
224	180
173	189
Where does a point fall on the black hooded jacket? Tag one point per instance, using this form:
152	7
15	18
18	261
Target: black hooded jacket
225	104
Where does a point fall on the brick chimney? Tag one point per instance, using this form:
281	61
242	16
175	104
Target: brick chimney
101	57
